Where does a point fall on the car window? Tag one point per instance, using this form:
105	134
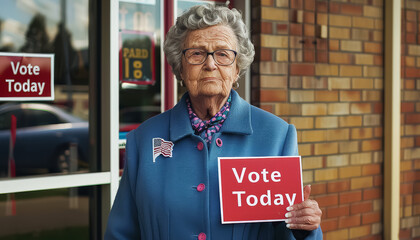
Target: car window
5	119
35	117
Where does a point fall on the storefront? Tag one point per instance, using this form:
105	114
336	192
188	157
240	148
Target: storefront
61	155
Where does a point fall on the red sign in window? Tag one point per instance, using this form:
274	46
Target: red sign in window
259	189
26	77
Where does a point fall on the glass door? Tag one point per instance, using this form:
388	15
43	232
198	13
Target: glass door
48	165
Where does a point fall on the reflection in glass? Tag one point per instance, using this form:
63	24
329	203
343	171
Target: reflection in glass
140	64
52	214
51	137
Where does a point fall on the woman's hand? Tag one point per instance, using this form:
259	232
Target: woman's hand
305	215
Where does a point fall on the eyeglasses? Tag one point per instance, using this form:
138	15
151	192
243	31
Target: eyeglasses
222	57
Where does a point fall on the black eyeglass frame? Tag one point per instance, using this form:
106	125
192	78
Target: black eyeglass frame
212	54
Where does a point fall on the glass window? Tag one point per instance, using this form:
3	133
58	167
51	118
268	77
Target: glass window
140	63
52	214
60	140
35	117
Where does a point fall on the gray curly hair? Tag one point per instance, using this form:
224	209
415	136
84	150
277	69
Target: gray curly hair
203	16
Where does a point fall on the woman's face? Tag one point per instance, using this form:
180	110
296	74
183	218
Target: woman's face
210	79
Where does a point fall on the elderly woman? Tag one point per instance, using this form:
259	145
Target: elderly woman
170	189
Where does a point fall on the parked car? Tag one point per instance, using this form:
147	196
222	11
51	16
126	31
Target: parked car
48	139
46	135
132	117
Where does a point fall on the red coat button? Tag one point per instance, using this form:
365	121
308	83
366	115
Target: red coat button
219	142
202	236
200	146
201	187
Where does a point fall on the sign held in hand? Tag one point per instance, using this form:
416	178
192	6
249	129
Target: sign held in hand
258	189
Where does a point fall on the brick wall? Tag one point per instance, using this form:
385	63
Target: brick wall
410	120
319	65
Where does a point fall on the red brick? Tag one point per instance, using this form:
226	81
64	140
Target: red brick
378	60
309	55
267	107
341	186
361	207
266	27
373	237
321	6
416	198
273	95
371	47
405	234
301	69
378	107
355	10
407	107
329	225
338	211
267	3
410	16
378	132
282	28
334	45
372	217
409	84
322	57
409	176
373	193
350	96
410	38
378	181
350	221
322	44
296	29
349	197
309	17
317	189
296	4
406	188
310	5
412	118
341	57
335	7
266	54
417	141
308	44
410	27
328	200
371	169
408	200
371	145
309	31
412	72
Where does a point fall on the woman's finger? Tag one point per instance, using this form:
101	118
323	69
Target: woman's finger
306	192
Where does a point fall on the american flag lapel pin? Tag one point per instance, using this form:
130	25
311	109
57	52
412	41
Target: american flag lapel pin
162	147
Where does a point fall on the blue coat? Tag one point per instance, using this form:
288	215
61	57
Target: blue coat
160	200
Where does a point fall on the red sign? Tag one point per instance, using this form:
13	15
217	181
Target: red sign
258	189
26	76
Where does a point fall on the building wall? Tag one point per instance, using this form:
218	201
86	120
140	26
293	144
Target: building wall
319	65
410	120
